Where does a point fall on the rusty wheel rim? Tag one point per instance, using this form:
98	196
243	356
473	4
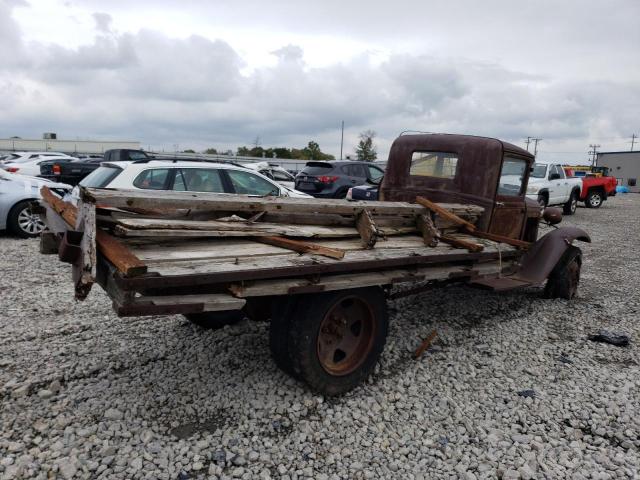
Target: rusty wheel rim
346	336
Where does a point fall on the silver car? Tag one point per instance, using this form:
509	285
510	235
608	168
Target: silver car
17	192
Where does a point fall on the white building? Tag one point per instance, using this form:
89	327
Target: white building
50	142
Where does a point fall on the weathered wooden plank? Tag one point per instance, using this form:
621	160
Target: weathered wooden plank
213	302
345	281
270	262
119	254
132	227
442	211
302	247
499	238
67	211
367	229
84	272
158	200
429	231
460	243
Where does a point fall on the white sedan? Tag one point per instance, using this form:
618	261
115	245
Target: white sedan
185	176
17	193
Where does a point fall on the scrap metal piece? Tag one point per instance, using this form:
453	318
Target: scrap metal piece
425	344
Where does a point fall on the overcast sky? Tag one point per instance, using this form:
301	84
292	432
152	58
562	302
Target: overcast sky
220	73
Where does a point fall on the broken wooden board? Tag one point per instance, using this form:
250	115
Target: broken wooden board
302	247
146	227
115	251
165	201
340	282
367	229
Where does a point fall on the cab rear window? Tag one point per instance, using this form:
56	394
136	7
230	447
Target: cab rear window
434	164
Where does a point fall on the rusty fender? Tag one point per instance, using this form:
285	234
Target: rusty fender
544	254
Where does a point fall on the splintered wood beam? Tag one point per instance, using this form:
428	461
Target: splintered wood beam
114	250
443	212
429	232
367	229
459	243
499	238
67	211
302	247
119	255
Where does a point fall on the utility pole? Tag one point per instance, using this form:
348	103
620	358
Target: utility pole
528	141
594	153
633	140
535	145
342	140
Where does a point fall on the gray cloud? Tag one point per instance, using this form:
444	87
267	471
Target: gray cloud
192	91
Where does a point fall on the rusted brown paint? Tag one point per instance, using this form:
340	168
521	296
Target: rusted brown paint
481	161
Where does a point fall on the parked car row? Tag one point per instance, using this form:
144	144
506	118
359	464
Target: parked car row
549	184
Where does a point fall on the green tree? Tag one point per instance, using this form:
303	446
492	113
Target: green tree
366	150
188	150
211	151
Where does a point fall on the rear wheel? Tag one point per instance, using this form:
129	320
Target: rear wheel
594	199
335	339
565	277
571	206
23	221
215	320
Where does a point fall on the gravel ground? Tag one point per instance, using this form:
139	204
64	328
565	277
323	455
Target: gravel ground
87	395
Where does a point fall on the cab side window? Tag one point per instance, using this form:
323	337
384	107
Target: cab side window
512	177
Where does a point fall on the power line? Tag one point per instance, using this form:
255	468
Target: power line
528	141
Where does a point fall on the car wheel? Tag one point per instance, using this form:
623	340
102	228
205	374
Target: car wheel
571	206
23	222
215	320
594	199
336	339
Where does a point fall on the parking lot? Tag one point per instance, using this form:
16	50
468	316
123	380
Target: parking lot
511	388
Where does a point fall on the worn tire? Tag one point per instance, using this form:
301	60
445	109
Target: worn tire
281	310
571	206
565	277
14	220
311	313
594	199
215	320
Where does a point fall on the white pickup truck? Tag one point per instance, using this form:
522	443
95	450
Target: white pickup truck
549	185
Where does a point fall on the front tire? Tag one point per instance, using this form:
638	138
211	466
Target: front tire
594	199
571	206
335	339
565	277
23	222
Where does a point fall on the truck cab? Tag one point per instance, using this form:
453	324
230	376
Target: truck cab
466	169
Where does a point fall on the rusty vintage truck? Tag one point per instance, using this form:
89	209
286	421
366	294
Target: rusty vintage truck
453	209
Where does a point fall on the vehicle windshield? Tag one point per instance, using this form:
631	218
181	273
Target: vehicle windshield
100	177
539	170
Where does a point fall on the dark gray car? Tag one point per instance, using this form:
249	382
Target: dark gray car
334	179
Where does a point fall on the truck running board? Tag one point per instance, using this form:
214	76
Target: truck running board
499	284
174	304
